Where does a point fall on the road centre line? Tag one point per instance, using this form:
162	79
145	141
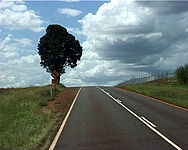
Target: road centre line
149	122
118	100
121	105
64	122
143	120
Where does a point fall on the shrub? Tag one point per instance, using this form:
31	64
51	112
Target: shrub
186	70
182	74
43	103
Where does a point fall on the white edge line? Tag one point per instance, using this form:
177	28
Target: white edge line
152	124
147	124
63	123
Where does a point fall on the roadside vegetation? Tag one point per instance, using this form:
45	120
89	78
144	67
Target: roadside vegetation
22	125
168	90
182	74
173	90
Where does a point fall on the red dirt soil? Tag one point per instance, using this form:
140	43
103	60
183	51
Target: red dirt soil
61	104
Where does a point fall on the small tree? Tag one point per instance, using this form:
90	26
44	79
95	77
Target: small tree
58	49
182	74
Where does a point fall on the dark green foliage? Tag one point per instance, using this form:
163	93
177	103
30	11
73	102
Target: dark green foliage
58	49
182	74
43	103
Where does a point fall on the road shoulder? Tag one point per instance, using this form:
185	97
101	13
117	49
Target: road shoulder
155	99
59	106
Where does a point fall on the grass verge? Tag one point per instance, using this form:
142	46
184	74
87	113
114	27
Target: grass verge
170	91
22	125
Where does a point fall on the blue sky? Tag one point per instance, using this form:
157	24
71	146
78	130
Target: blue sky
48	12
120	39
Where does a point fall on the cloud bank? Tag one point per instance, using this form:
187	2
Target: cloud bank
139	33
16	16
131	39
122	40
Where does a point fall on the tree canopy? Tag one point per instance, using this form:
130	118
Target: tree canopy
58	49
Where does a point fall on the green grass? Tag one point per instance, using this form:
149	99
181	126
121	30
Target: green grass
170	91
22	127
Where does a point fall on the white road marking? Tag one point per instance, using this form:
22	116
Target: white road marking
161	135
63	124
118	100
145	122
149	122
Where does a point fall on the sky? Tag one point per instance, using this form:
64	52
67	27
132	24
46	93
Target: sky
121	39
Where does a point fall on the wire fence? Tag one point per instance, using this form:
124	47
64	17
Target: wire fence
160	76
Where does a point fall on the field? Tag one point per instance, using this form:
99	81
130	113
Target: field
28	116
167	90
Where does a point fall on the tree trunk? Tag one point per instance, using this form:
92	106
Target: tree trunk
58	79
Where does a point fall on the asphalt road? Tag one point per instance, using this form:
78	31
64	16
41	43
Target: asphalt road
108	118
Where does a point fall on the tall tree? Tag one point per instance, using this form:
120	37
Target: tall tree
58	49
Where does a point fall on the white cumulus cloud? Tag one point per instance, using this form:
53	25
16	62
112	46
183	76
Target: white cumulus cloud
12	47
16	16
69	12
23	72
24	42
126	40
136	33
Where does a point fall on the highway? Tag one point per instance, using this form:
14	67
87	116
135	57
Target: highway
108	118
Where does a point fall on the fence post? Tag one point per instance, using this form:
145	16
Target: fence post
51	91
167	77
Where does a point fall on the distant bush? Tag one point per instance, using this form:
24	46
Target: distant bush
182	74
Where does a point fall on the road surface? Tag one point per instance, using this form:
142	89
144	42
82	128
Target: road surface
106	118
